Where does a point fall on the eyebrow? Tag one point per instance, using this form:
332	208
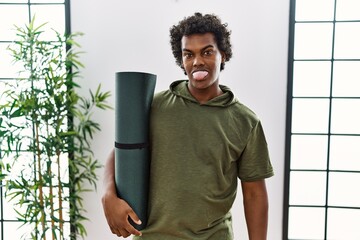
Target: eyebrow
208	46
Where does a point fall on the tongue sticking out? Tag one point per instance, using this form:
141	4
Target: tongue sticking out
199	75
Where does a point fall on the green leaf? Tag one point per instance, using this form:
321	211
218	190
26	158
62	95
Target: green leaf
57	121
16	113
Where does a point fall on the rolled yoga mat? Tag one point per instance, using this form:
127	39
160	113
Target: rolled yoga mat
134	92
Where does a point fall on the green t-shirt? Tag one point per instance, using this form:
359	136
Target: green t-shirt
198	152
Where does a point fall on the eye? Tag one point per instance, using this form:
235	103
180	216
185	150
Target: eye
187	55
208	52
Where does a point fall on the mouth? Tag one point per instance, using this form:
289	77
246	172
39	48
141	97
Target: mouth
200	74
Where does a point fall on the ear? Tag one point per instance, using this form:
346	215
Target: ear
182	67
223	57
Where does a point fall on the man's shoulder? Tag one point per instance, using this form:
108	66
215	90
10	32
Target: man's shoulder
240	110
160	96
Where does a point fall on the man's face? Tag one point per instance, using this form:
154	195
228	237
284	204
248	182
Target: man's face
201	60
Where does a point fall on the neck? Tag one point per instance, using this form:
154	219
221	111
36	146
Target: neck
205	95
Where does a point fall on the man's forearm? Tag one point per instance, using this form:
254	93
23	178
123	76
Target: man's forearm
109	175
256	209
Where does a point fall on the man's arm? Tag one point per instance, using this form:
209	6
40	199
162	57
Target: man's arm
116	210
256	208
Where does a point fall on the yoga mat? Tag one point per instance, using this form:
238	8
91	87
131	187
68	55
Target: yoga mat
134	92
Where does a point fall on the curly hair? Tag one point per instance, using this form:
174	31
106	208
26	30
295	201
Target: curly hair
199	23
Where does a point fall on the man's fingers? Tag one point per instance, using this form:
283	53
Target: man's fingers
136	220
121	232
134	217
124	233
133	230
115	231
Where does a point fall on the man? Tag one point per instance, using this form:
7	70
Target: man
202	140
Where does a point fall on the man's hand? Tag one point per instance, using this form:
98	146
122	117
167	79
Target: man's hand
117	213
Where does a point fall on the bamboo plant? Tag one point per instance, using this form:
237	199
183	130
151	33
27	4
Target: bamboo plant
45	133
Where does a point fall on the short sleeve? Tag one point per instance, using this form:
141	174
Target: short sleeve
254	162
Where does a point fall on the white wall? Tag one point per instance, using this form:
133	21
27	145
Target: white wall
133	36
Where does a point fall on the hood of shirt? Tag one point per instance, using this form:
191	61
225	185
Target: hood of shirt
179	88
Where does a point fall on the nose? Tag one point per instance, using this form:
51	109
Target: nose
198	61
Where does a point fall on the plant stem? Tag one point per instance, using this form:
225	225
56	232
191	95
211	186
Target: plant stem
41	194
60	195
51	202
51	194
